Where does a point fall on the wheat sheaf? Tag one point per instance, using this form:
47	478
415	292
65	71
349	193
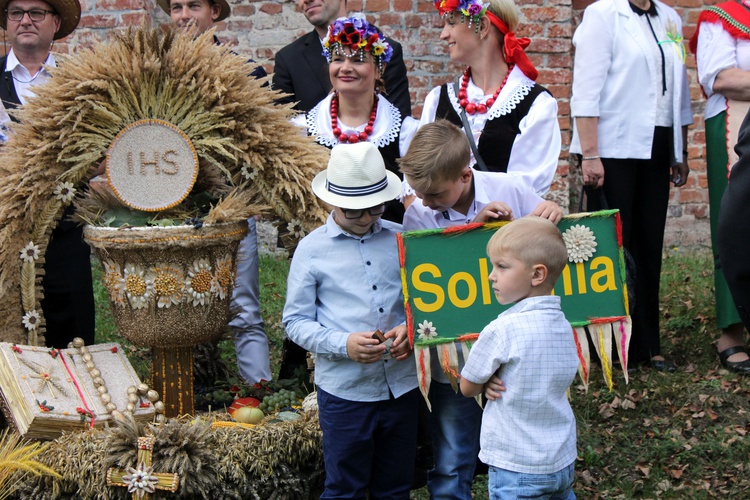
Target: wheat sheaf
247	147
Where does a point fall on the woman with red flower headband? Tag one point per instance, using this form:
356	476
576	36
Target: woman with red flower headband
355	111
512	120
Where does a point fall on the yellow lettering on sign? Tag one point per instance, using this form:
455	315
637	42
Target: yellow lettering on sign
484	277
436	290
453	296
603	280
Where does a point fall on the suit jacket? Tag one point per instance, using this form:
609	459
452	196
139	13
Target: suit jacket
733	237
301	70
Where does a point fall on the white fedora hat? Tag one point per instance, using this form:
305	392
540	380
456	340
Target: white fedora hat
356	178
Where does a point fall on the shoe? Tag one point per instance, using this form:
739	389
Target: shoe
663	365
741	367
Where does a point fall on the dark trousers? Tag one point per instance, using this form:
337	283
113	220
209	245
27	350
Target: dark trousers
368	446
640	190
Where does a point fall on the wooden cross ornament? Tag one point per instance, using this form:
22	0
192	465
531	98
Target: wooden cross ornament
142	481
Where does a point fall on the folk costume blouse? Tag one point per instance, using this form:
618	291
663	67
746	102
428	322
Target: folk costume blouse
519	134
719	49
616	72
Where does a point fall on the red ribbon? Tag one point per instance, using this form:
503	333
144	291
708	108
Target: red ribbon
80	394
514	47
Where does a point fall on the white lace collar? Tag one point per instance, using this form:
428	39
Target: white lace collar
516	88
385	130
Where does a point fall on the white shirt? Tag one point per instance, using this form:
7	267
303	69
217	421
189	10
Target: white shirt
488	187
718	50
536	148
23	81
531	429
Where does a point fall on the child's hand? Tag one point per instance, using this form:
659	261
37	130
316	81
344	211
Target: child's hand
493	212
362	348
493	388
548	210
401	349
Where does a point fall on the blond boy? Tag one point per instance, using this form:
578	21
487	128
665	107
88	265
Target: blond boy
528	436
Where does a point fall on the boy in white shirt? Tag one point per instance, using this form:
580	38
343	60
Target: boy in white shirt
528	436
437	167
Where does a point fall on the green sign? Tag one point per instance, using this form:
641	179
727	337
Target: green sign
446	277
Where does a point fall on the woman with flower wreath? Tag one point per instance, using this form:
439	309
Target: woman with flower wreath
355	111
513	124
513	121
721	45
631	105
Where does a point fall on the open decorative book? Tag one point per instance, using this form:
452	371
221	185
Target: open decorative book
46	391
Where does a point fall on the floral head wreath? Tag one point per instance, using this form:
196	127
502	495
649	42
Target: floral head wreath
471	9
512	47
360	36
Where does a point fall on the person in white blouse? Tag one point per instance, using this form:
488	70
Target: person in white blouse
722	47
355	110
631	108
513	120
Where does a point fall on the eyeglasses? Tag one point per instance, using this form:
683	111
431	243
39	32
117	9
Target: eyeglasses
351	213
34	14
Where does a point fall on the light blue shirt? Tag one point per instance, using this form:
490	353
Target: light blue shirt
339	284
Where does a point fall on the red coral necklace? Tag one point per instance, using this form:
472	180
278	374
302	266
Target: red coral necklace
481	108
352	138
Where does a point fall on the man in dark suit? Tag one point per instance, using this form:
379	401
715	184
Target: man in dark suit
733	237
32	27
302	71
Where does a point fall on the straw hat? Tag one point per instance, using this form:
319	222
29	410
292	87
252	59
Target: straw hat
68	10
225	10
356	178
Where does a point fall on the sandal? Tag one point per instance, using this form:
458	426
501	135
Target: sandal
741	367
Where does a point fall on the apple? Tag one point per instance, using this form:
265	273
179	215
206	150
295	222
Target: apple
248	415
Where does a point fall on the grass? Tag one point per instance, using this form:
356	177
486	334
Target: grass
681	435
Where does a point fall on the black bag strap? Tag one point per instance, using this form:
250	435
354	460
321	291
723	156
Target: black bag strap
590	192
480	165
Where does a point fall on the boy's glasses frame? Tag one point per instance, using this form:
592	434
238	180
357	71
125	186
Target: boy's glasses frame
352	213
36	15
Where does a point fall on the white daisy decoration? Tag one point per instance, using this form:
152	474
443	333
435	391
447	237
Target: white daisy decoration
296	229
65	192
30	252
138	289
248	173
140	481
223	282
580	242
31	320
426	331
169	284
113	282
198	283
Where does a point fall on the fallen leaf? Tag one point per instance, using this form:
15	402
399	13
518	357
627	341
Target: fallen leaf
643	469
676	473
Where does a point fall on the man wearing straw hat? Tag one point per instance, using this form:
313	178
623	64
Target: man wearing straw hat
32	26
250	340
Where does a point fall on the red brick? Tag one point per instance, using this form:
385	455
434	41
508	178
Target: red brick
243	10
559	61
118	5
271	8
378	6
389	19
559	30
403	5
546	14
135	18
98	21
550	45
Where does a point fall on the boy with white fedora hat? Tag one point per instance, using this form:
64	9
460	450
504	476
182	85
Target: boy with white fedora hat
343	291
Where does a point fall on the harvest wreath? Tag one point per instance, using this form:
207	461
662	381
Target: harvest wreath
249	157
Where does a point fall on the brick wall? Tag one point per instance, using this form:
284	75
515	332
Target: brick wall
259	28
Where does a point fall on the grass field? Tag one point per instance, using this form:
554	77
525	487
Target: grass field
681	435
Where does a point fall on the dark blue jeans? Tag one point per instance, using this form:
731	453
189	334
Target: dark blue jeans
368	446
